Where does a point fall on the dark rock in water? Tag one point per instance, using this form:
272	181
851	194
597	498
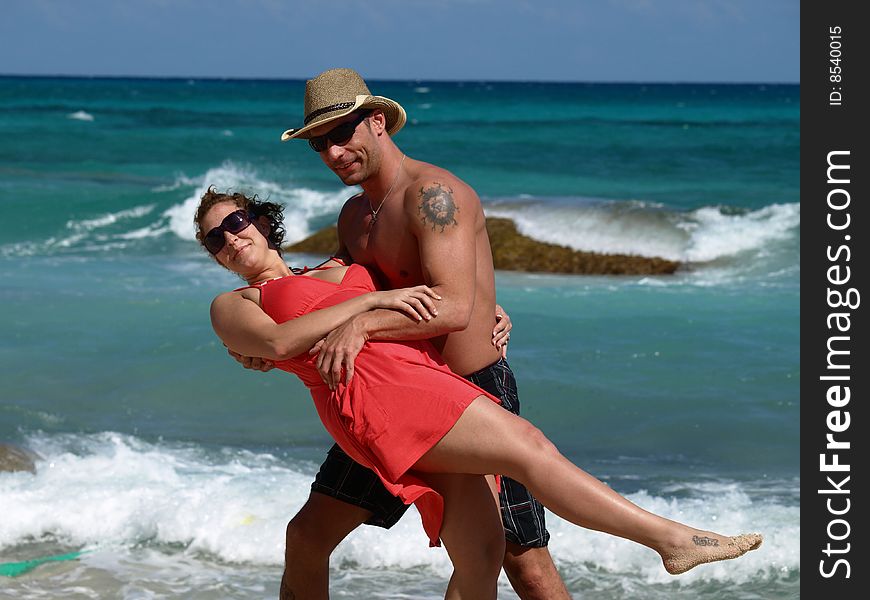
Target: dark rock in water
513	251
324	242
13	458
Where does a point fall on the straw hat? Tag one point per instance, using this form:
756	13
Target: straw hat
336	93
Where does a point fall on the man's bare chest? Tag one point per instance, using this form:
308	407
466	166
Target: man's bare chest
391	252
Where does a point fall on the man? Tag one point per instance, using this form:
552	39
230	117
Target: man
413	223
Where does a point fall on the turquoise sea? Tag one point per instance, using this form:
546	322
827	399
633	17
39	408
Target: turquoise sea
175	471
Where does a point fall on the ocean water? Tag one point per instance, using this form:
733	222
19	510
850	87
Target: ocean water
174	472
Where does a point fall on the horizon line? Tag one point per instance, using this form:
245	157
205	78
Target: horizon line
415	80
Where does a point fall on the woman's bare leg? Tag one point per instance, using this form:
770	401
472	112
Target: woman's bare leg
487	439
472	534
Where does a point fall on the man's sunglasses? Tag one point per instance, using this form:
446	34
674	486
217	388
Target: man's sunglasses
234	222
338	135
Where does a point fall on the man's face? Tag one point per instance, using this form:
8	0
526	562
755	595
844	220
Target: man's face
358	158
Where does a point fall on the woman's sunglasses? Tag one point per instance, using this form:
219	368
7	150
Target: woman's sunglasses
338	135
234	222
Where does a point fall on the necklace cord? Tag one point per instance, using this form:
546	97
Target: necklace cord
375	211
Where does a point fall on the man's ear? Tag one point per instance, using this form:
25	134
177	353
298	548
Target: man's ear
378	121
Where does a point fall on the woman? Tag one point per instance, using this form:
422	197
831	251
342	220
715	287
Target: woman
431	436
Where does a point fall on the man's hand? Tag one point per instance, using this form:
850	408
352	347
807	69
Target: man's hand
501	333
339	350
252	362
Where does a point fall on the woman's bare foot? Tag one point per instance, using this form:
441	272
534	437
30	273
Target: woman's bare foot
706	547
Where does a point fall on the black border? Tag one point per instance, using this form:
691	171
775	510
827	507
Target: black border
826	128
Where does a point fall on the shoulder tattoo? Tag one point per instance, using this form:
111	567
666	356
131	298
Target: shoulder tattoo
437	207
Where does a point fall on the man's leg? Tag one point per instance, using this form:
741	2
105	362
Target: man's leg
344	495
527	561
472	534
319	526
532	573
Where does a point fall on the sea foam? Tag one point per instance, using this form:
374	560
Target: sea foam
301	204
631	227
95	232
112	490
80	115
120	229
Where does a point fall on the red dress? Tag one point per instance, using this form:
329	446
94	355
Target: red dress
401	401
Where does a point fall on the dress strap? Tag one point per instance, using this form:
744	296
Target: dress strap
255	286
321	267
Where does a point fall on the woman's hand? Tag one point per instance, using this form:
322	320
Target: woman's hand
253	363
417	302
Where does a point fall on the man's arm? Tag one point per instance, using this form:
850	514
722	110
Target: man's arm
441	214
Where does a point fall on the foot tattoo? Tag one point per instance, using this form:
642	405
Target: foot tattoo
710	549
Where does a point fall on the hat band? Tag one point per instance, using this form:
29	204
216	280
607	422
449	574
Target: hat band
320	111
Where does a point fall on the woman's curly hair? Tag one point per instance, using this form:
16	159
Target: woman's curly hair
274	213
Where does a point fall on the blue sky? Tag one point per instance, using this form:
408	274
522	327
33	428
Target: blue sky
555	40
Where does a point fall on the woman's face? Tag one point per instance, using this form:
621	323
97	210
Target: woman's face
243	252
